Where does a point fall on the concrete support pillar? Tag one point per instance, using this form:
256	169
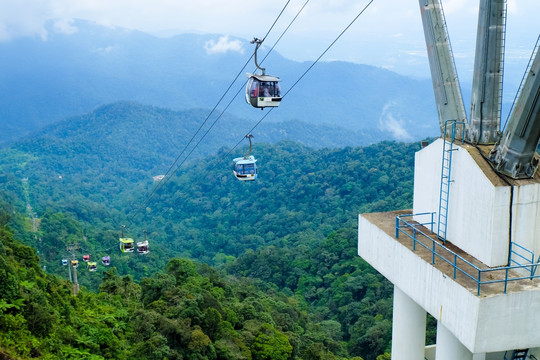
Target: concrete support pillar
481	356
408	328
449	347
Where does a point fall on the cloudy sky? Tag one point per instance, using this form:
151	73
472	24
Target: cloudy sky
389	34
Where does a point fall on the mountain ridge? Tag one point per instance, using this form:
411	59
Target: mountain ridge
46	81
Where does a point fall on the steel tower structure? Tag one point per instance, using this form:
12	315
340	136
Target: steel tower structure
478	278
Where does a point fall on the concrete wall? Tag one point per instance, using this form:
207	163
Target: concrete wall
526	217
438	294
478	211
509	321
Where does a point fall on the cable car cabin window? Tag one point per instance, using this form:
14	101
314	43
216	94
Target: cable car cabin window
259	88
245	169
269	89
253	86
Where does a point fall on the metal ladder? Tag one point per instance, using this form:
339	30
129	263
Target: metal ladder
503	35
446	172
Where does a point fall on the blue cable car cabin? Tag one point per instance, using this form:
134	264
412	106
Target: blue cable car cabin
245	168
263	91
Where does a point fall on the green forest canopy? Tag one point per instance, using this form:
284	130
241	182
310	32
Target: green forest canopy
290	237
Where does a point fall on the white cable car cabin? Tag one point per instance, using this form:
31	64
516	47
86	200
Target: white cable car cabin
92	266
263	91
64	262
106	260
142	247
245	168
126	245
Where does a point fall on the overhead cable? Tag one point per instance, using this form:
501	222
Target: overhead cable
166	178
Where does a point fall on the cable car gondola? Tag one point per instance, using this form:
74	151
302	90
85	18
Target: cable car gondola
106	260
64	262
126	245
86	258
262	90
75	263
245	168
142	247
92	266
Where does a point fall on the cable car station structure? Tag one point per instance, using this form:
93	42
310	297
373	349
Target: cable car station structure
468	251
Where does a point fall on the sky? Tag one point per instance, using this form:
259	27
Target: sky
388	34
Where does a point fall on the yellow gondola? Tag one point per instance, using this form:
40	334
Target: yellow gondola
92	266
126	245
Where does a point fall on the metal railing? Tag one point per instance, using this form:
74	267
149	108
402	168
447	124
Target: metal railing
519	254
459	264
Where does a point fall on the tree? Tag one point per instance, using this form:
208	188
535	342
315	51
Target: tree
271	344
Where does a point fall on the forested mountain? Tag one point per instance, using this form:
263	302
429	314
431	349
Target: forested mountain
118	148
47	80
187	311
289	236
293	229
300	195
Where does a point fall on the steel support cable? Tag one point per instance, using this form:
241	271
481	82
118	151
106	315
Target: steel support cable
275	21
161	182
223	157
301	77
166	178
241	88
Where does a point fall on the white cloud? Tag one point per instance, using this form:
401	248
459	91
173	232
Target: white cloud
65	26
385	29
388	123
105	50
223	45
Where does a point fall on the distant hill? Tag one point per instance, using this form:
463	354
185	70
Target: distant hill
293	229
45	81
126	143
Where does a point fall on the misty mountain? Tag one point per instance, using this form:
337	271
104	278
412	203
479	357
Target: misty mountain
47	80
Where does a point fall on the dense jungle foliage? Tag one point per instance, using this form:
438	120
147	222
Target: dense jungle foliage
261	270
192	311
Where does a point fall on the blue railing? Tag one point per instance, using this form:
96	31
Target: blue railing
528	257
459	264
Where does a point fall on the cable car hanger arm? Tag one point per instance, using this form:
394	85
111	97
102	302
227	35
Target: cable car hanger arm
258	43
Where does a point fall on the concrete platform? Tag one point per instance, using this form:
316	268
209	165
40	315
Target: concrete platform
488	323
